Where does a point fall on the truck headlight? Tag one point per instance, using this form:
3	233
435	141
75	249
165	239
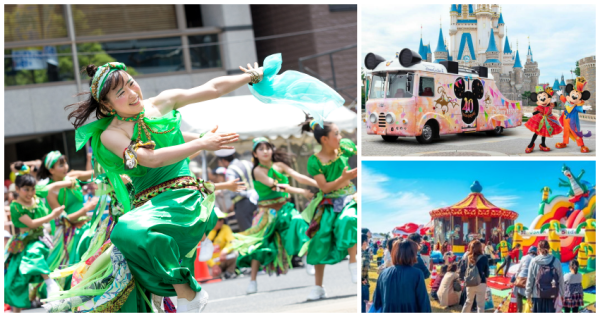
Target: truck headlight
373	118
390	118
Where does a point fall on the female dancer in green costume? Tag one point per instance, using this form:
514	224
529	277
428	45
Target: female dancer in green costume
278	231
141	138
26	255
332	213
69	245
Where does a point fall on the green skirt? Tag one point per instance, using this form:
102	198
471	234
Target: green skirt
159	240
337	233
284	237
23	269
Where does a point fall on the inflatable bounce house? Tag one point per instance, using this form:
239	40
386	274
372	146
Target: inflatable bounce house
568	222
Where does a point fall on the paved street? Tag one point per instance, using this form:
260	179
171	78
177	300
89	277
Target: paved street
283	294
512	142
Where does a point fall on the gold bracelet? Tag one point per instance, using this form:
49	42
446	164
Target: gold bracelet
254	77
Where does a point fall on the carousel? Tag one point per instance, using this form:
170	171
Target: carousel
474	217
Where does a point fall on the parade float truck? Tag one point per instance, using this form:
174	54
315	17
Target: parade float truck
409	97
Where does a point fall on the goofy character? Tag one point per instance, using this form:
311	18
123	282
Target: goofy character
570	117
543	122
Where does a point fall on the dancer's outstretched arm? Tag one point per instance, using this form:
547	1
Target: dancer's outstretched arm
341	182
34	223
262	176
117	141
81	175
214	88
302	179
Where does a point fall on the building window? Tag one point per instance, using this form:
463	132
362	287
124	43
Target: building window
193	15
204	51
145	56
342	7
34	22
36	65
96	20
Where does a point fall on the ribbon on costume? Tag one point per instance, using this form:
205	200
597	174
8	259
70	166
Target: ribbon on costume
545	122
52	158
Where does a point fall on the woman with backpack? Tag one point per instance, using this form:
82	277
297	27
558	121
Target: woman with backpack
573	288
544	281
475	277
520	279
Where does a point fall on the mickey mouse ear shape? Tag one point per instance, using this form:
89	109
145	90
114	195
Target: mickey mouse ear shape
409	57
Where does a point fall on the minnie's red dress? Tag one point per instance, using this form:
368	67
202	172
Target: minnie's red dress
544	123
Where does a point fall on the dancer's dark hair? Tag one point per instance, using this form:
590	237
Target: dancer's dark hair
318	131
278	155
44	172
84	109
25	180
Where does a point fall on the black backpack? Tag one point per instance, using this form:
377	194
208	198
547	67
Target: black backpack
547	280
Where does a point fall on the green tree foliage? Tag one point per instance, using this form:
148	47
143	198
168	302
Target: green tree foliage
577	70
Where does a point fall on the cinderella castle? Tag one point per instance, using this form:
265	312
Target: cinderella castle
476	34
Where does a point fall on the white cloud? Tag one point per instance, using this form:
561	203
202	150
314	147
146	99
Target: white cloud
373	186
503	201
556	44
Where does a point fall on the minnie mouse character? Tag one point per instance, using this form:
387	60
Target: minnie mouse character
543	122
470	99
570	117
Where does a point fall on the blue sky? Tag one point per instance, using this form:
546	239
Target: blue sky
397	192
560	34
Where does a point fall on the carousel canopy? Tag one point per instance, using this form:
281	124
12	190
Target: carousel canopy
474	205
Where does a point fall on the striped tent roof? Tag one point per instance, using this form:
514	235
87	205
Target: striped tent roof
474	205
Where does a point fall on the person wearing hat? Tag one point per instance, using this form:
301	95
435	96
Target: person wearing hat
224	258
278	230
244	201
520	279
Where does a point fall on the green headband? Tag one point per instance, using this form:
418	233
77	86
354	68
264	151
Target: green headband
52	158
100	77
257	141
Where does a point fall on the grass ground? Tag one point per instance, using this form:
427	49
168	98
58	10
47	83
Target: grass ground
435	306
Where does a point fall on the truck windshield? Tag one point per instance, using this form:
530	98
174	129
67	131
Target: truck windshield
399	85
378	87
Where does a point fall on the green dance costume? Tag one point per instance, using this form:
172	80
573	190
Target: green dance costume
26	255
332	216
155	240
70	243
276	235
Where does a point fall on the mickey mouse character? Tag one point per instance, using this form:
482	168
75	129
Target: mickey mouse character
543	122
570	117
470	99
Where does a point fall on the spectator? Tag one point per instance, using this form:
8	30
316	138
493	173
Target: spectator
545	281
445	247
475	277
449	291
438	280
401	288
449	258
573	288
490	252
508	240
387	254
426	251
223	260
365	271
415	237
379	255
513	254
521	277
245	202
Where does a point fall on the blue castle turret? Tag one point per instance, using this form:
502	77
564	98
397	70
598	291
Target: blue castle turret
441	52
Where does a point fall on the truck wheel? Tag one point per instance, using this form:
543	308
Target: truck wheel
389	138
428	135
497	131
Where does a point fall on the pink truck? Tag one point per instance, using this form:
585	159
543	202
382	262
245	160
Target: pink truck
409	97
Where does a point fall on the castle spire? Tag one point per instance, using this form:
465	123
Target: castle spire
440	46
517	59
507	49
492	42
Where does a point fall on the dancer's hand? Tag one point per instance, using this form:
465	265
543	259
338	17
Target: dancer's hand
257	69
234	185
56	212
213	141
91	204
216	270
349	174
308	194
